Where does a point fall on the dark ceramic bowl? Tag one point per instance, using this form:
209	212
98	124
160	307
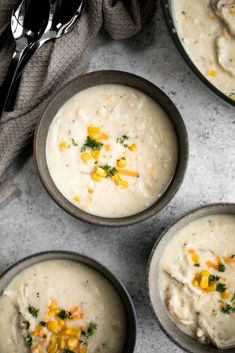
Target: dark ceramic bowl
110	77
20	266
185	342
166	6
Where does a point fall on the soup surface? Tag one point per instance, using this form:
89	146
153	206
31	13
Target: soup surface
61	306
111	150
197	279
207	32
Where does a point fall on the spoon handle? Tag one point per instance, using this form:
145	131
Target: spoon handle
25	59
9	79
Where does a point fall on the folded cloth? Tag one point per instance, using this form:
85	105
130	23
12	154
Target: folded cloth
55	64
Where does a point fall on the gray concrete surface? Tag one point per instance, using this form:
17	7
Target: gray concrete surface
32	222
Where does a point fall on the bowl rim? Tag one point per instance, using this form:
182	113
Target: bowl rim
170	190
174	35
220	206
119	287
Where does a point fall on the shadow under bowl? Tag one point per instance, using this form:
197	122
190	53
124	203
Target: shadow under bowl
110	77
16	269
185	342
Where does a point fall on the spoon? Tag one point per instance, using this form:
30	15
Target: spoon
27	26
64	14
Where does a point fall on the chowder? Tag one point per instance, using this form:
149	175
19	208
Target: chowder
111	151
60	306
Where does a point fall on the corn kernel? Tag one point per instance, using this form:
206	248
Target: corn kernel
211	287
225	295
77	199
64	145
62	342
133	147
116	179
96	177
100	171
86	157
53	305
212	73
52	347
90	192
124	184
195	283
191	251
54	326
205	273
95	154
72	343
121	163
92	129
72	331
107	147
195	258
204	283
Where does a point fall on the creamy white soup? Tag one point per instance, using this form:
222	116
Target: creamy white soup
111	150
207	32
61	306
197	279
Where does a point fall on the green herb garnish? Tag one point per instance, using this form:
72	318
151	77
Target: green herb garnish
233	298
227	309
196	265
29	341
213	279
233	256
221	287
63	315
221	268
42	323
27	324
110	171
44	336
122	140
33	311
74	143
68	351
91	143
92	327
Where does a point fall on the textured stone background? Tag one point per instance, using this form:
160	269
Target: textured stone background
32	222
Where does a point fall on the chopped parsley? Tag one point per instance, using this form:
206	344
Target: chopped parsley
44	336
42	323
74	143
196	265
221	268
92	327
91	143
213	279
33	311
123	140
27	324
29	341
221	287
110	171
68	351
227	309
233	256
63	315
233	298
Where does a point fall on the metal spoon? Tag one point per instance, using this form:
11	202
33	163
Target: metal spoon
64	14
26	30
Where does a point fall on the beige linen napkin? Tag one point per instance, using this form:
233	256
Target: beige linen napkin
55	64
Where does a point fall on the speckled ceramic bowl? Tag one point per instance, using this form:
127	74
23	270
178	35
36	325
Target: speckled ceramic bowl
20	266
182	340
110	77
166	6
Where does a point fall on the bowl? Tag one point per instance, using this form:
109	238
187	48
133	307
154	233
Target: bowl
20	266
110	77
166	7
185	342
